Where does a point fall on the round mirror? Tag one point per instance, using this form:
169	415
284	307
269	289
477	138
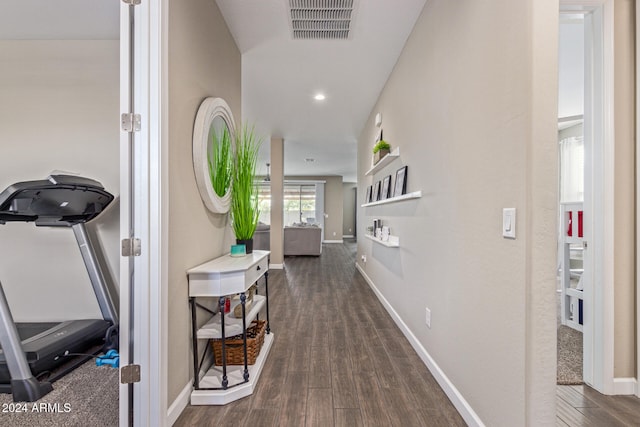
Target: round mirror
213	135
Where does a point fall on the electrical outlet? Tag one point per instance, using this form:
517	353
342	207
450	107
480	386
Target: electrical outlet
428	317
349	230
364	258
334	233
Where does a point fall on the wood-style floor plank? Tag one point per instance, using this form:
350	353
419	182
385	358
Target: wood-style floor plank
319	407
575	398
570	415
294	403
348	417
374	412
262	418
320	367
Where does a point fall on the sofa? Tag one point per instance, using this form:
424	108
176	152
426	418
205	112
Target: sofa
302	240
262	237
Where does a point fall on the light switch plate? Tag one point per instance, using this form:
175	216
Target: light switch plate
509	223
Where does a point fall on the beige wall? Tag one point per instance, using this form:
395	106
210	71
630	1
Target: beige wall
59	110
349	190
472	105
624	204
203	61
332	204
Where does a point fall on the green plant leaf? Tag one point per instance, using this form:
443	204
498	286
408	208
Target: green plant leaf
220	162
381	145
244	193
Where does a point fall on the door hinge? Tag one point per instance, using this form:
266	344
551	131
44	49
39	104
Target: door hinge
130	122
130	374
584	245
131	247
131	2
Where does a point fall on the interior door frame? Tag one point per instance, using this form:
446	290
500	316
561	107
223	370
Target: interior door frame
598	328
143	278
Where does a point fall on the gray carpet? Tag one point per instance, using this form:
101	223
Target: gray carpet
569	356
86	397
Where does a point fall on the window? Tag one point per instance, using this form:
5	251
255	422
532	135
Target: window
264	203
299	204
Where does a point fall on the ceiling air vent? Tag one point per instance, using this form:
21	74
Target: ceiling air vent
321	19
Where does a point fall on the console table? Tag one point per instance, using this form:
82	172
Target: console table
222	277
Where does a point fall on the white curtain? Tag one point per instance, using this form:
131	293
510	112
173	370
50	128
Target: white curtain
572	169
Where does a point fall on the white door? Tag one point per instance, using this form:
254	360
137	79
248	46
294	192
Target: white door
598	190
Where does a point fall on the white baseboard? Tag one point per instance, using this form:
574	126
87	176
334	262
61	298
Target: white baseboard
463	407
276	266
332	241
179	404
348	236
625	386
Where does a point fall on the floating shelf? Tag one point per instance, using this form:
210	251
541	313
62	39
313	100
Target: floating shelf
394	241
414	195
384	161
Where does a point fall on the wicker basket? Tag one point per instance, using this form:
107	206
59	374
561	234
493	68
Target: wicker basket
234	346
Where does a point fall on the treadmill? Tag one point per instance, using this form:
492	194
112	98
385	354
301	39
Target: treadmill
32	350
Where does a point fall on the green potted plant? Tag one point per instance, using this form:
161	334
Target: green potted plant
380	150
244	193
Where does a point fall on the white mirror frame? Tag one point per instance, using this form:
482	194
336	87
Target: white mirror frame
207	112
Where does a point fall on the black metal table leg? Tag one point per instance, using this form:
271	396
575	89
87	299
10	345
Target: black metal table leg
243	299
194	333
266	295
225	380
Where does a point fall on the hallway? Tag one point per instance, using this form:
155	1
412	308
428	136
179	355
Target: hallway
345	363
337	359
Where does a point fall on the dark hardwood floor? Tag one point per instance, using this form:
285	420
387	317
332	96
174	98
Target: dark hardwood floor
580	405
339	360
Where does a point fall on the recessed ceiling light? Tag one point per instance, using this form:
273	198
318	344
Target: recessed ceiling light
319	97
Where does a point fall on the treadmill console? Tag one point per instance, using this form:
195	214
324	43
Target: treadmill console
59	200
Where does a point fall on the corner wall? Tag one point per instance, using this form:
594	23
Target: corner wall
472	105
203	61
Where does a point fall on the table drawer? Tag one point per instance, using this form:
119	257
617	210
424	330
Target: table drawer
255	272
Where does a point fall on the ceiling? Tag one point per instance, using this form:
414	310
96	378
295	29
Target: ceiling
281	75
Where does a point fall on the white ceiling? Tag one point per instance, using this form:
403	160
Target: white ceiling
281	75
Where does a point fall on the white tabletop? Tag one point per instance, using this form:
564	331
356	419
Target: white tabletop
229	264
